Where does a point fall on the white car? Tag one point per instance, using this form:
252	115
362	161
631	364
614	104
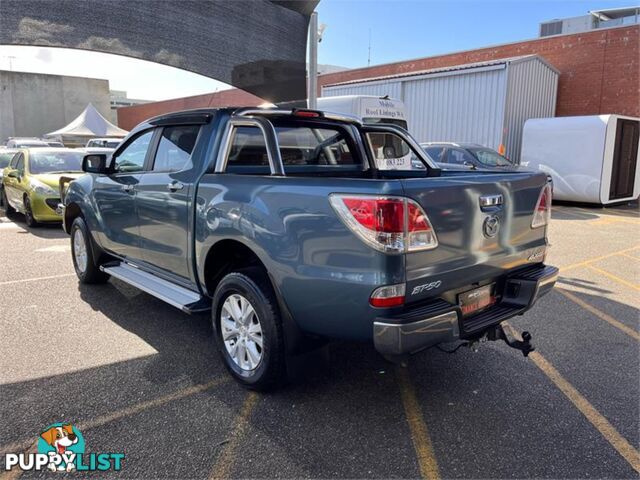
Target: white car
26	143
110	143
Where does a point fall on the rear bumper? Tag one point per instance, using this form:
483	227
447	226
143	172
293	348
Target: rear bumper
441	321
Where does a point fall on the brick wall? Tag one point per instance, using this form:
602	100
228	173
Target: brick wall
599	70
129	117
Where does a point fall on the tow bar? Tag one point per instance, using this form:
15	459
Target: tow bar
498	333
524	345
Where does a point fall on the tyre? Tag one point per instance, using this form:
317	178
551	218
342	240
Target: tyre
28	214
84	263
8	209
248	329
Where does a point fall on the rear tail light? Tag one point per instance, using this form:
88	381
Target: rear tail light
388	296
542	213
388	224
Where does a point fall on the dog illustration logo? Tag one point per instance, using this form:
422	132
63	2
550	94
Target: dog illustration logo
62	442
61	448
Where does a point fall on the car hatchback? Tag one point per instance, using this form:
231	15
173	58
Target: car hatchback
31	182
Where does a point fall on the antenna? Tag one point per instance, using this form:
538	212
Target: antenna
369	56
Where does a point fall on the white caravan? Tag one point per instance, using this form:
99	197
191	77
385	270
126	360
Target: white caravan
592	159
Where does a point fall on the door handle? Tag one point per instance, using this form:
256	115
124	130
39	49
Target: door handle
175	186
127	188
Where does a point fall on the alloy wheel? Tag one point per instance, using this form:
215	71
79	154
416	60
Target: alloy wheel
241	332
80	250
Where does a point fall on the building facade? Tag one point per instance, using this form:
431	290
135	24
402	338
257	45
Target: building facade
599	69
32	104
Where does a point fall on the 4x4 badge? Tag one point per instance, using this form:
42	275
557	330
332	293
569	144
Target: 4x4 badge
491	226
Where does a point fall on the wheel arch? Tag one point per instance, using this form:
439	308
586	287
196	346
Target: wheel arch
228	255
71	212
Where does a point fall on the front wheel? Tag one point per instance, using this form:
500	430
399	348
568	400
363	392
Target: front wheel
84	263
248	329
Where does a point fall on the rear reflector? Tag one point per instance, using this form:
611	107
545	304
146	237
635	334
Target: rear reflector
388	224
388	296
542	213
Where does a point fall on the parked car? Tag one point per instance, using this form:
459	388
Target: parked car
6	154
26	143
465	156
31	182
105	150
103	143
288	225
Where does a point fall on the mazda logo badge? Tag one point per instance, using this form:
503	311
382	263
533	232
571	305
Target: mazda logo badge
491	226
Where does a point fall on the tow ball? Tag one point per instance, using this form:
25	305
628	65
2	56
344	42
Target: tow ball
524	345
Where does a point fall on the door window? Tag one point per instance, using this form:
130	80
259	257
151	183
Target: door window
132	158
460	157
175	147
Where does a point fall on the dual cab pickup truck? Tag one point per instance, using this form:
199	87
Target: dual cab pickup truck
297	226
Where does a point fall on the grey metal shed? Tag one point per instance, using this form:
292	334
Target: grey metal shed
485	103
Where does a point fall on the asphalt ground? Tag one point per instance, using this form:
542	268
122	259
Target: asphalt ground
137	376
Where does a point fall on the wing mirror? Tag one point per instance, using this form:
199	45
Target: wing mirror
13	174
95	163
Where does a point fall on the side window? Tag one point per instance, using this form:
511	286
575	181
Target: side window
305	146
175	147
131	159
436	153
460	157
248	148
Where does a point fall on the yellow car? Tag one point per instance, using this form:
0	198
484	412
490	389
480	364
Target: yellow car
31	182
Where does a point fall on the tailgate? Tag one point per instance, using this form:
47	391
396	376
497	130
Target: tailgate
476	244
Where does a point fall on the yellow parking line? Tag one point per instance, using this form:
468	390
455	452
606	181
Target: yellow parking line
156	402
35	279
419	433
635	286
608	431
226	459
603	316
595	259
125	412
630	256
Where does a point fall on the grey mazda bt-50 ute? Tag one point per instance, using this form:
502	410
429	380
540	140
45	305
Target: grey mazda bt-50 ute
290	225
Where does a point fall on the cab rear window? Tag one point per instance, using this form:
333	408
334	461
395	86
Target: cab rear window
320	147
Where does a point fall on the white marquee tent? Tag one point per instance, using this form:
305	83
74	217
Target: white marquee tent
90	123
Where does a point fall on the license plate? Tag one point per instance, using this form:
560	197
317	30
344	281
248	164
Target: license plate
476	299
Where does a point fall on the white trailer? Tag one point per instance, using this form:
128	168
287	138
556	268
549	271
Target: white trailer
592	159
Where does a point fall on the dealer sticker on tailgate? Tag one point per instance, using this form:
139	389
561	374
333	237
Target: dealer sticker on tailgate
476	299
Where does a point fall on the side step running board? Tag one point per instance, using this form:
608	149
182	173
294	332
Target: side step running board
186	300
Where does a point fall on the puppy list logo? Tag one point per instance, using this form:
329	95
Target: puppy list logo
61	448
